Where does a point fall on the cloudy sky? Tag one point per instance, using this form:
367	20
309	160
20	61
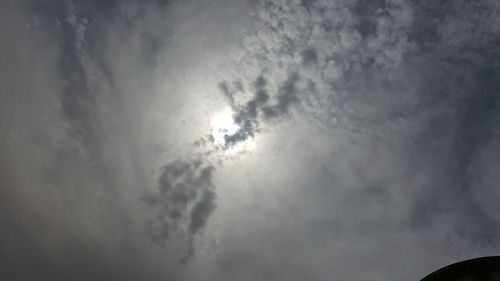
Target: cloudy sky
247	140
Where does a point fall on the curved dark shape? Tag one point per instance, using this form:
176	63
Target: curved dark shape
478	269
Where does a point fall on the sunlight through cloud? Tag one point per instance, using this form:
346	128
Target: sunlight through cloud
223	125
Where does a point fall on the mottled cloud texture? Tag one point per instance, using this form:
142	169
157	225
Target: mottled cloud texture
184	201
367	145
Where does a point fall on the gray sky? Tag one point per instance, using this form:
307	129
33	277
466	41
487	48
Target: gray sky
247	140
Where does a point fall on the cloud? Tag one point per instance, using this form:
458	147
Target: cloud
184	201
257	110
374	126
309	56
63	181
404	98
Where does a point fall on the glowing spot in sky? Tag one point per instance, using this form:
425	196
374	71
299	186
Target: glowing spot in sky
223	124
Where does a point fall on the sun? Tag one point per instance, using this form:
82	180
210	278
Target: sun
223	124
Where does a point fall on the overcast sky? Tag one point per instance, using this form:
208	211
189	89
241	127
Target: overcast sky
247	140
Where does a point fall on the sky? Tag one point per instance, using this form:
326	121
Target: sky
247	140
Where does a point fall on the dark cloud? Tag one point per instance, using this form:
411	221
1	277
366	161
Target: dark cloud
202	210
429	18
183	203
368	13
309	56
258	109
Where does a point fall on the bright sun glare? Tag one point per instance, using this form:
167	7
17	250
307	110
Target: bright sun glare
223	124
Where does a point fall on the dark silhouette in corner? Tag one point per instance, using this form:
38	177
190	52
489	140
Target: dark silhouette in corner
478	269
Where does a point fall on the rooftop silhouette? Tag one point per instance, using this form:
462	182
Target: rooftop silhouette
478	269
